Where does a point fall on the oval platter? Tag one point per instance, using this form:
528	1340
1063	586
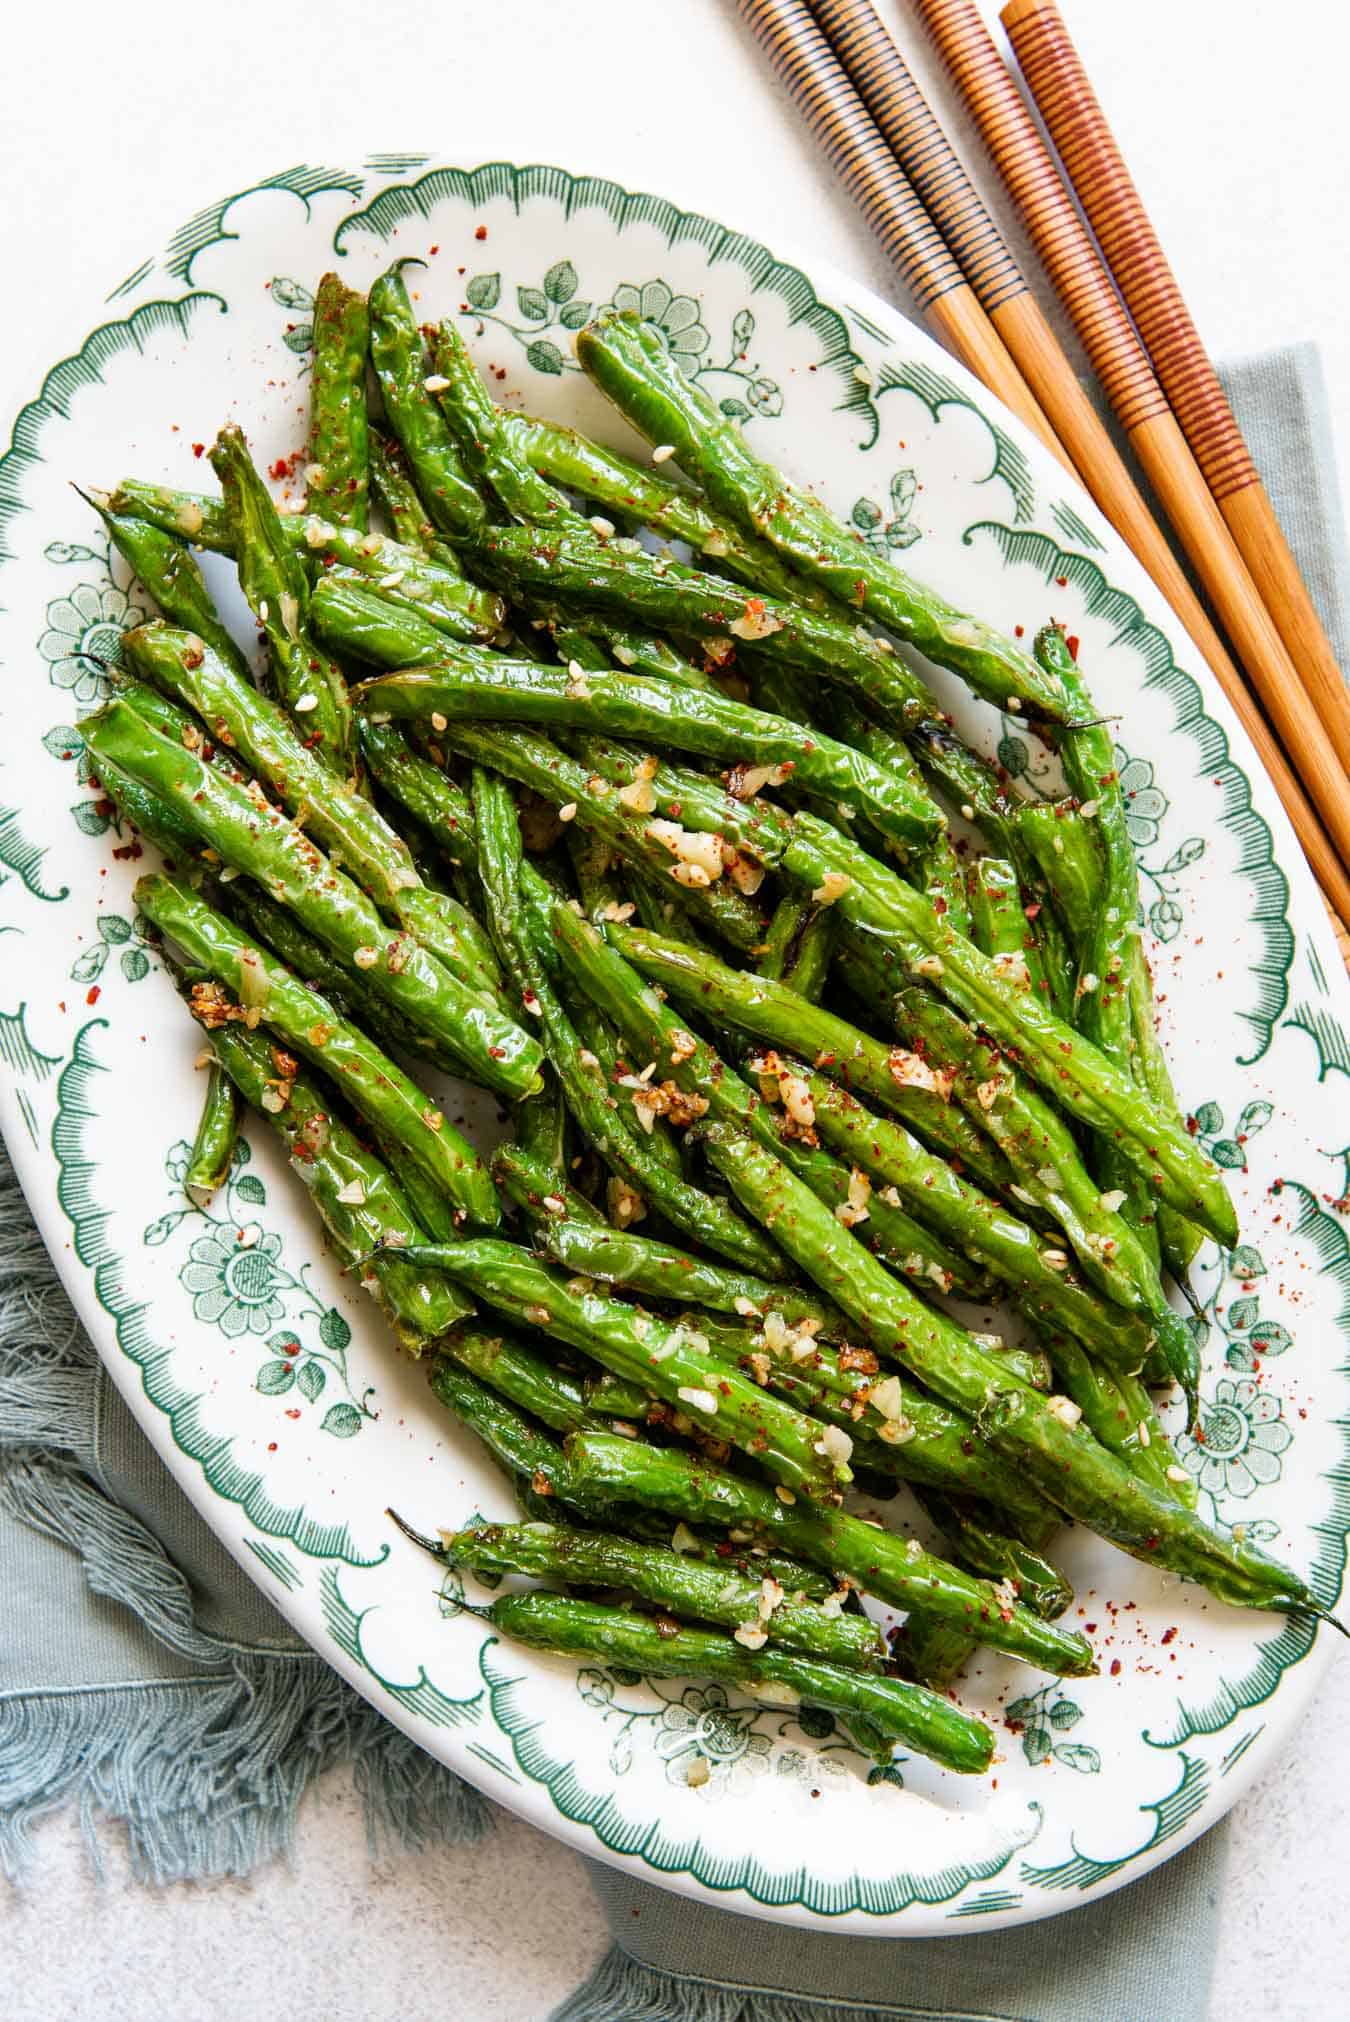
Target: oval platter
268	1385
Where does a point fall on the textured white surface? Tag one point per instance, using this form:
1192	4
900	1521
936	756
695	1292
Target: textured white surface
116	127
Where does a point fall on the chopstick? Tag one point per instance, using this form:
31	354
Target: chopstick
1140	406
837	118
887	87
1097	173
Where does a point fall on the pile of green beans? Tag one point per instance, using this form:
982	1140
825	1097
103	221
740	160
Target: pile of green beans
661	854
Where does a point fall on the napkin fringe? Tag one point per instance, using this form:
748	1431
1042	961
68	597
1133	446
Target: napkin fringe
622	1989
207	1775
206	1772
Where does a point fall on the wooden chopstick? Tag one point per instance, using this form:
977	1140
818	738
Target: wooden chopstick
887	87
1137	399
839	120
1096	170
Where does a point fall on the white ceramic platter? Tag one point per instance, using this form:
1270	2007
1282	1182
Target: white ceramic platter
267	1383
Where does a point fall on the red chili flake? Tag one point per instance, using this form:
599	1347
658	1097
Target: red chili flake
291	1412
939	903
271	1446
199	449
1019	631
1115	1667
1169	1635
1091	1628
434	249
1062	582
1071	641
92	996
280	469
481	233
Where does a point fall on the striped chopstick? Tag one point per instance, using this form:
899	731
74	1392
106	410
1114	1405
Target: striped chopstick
1140	405
838	119
883	80
1096	169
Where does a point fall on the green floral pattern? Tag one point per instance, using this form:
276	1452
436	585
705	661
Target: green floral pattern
1041	1718
676	317
555	306
707	1739
83	639
298	303
1230	1152
1145	806
237	1281
115	934
1241	1436
881	533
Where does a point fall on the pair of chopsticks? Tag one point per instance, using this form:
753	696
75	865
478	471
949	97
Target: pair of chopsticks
860	100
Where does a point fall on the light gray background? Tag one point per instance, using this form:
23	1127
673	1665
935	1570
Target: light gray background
118	122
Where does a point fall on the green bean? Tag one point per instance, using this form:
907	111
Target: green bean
422	790
1060	1456
1080	1078
971	1222
273	580
399	357
254	837
486	446
213	1147
309	960
339	473
528	1175
550	772
430	585
624	580
491	1382
999	926
518	1446
626	705
969	781
897	1429
676	1582
504	873
1051	1175
648	1350
895	1569
541	1130
340	818
643	499
574	1236
692	799
891	1077
305	1022
396	495
638	652
631	364
1120	1414
980	1548
1038	1146
164	564
897	1711
931	1651
356	1199
798	946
